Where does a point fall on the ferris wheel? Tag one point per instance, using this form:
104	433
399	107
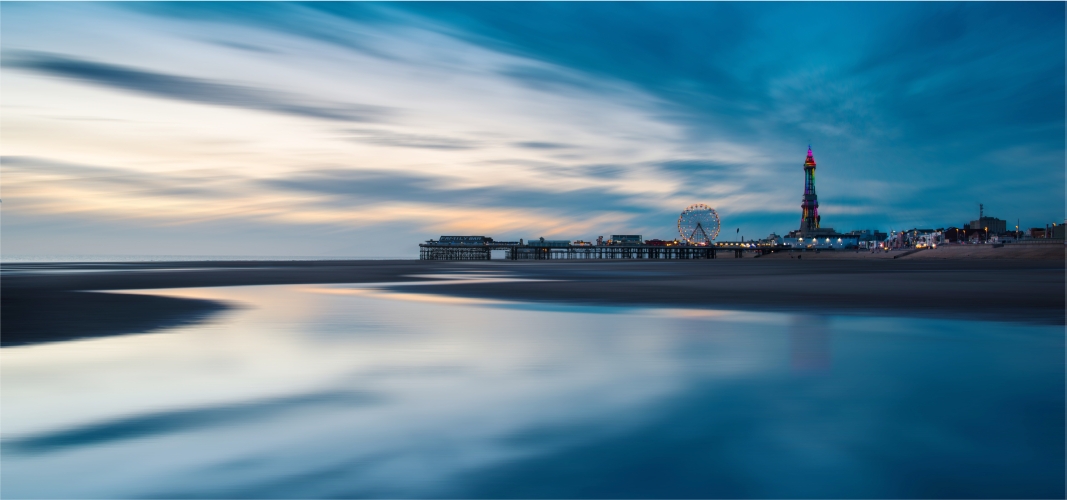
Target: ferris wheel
698	224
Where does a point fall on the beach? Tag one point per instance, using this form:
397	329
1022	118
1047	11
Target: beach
770	377
54	301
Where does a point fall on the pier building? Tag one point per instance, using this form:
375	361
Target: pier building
625	239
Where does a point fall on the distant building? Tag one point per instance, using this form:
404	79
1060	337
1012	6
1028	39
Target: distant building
828	242
625	239
955	234
1057	231
464	240
868	234
1050	231
993	224
923	237
988	225
542	242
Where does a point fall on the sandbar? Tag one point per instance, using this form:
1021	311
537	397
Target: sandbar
53	302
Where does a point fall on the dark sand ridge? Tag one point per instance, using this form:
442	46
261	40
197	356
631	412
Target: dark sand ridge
44	302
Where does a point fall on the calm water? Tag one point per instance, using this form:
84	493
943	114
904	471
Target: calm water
37	258
340	391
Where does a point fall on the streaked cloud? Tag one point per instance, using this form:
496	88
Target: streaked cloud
393	139
364	186
190	89
391	123
346	198
542	145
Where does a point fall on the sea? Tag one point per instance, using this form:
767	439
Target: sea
346	391
44	258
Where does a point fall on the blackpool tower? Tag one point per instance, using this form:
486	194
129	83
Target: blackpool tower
809	221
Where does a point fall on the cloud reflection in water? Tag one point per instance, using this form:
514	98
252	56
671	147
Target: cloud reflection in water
470	398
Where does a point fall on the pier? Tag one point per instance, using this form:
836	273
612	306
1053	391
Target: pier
514	251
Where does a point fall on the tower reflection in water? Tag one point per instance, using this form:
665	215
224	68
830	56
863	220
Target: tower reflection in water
809	344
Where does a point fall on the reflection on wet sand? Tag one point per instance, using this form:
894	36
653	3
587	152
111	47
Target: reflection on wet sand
364	391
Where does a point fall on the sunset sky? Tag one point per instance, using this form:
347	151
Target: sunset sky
336	129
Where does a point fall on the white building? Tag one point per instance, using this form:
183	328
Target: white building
836	242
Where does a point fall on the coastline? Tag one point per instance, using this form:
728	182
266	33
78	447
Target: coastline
45	302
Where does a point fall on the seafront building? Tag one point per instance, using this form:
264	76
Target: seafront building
915	238
986	229
868	236
990	225
1049	232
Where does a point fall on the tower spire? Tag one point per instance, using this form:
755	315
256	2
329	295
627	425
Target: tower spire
809	220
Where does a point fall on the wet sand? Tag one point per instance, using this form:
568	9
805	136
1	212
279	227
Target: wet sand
38	316
39	302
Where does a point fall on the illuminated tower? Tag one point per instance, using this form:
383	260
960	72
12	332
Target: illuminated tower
809	221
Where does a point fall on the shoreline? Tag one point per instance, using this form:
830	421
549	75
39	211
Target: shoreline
45	302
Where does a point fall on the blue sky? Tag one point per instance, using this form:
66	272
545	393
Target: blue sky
362	129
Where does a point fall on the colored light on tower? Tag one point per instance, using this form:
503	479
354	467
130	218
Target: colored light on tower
810	206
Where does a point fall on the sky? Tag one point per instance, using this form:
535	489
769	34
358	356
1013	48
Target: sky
363	129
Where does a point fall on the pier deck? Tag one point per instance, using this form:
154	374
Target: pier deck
435	251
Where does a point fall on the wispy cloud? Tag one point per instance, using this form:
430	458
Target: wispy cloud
187	89
365	187
401	140
342	199
398	121
542	145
